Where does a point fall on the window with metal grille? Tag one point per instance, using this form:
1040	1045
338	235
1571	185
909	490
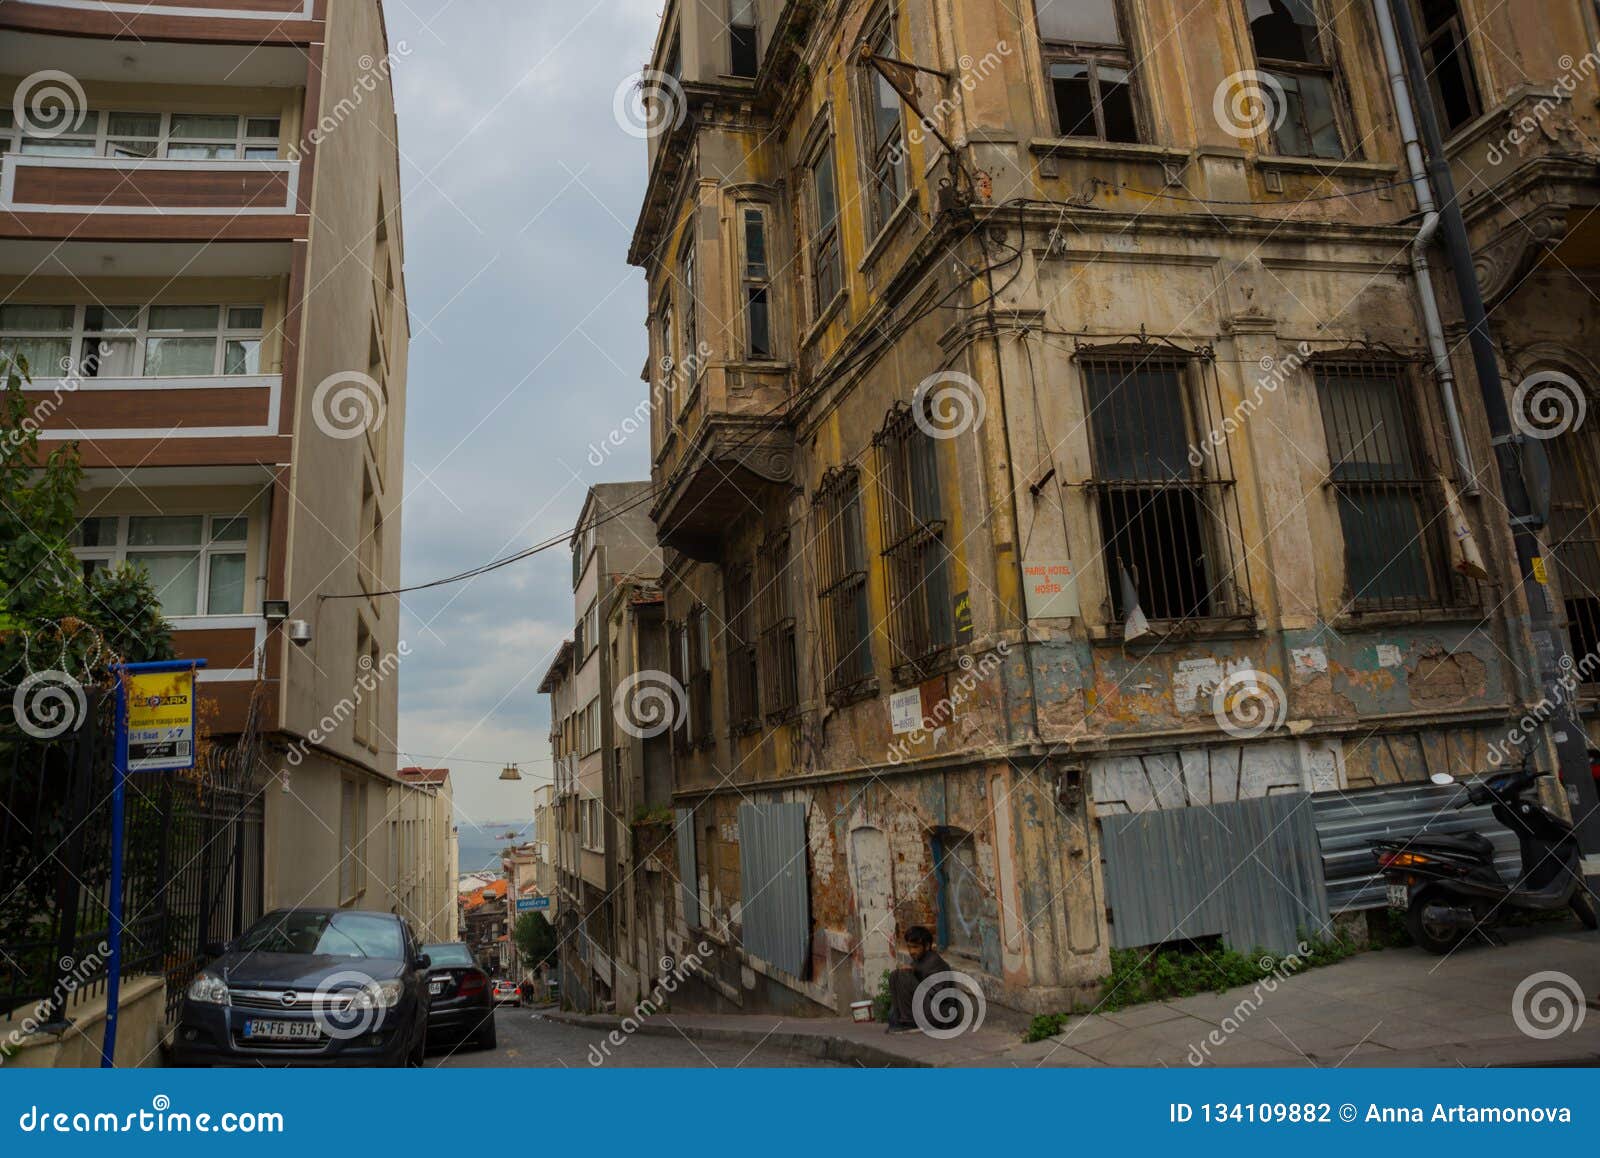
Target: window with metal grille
1170	529
744	701
1448	57
1390	500
916	561
884	137
1089	68
780	662
826	268
842	584
1291	50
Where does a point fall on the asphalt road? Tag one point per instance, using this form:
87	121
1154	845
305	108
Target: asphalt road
528	1039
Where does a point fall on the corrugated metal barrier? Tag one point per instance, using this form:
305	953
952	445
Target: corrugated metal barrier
777	901
1247	871
688	878
1348	823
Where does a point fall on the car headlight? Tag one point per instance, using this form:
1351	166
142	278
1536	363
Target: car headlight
379	995
209	989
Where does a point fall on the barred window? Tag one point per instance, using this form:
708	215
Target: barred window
885	134
915	557
1169	528
744	703
1390	500
842	582
780	666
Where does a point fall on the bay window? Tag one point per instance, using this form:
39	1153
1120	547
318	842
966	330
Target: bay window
196	563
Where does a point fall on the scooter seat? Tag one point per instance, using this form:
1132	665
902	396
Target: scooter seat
1470	843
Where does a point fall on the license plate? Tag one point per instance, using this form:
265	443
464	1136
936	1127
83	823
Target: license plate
435	988
282	1031
1399	897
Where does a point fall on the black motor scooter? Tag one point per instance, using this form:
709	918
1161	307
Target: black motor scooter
1448	885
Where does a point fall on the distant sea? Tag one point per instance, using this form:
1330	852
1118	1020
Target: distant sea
482	843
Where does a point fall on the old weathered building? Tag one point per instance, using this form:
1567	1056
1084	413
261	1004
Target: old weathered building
1051	445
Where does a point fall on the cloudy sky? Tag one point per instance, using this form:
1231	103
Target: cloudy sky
528	341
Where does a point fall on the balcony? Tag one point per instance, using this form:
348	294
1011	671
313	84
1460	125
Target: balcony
261	21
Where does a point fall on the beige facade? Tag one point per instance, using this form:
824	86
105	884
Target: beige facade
995	484
209	259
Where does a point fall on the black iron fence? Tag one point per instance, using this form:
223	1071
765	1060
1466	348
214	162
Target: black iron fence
192	875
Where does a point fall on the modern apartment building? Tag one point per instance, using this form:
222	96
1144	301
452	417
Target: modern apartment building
615	564
202	259
1059	469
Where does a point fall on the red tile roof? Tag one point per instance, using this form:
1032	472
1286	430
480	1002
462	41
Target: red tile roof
425	775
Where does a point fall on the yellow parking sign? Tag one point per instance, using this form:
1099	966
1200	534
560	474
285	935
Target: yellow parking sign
161	722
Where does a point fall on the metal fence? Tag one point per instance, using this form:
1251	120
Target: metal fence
193	871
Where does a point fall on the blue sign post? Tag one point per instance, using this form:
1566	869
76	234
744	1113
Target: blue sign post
154	733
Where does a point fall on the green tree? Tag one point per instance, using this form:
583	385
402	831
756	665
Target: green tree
536	940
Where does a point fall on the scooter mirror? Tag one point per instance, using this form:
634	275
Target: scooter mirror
1443	779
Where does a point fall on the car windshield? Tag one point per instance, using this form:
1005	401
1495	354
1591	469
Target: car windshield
453	954
325	934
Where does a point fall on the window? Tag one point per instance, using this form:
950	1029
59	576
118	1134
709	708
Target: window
826	271
697	661
1447	55
352	841
915	557
196	563
842	566
150	136
133	341
667	363
756	284
1169	530
744	38
1290	50
369	552
1389	504
744	701
780	662
367	660
884	133
1090	71
690	310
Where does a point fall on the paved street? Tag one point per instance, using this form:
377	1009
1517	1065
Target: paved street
528	1039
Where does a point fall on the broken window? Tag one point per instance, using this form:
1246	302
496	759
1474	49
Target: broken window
1289	48
884	136
1089	68
842	581
1390	503
780	664
826	271
1447	56
743	38
744	710
1168	510
915	557
757	286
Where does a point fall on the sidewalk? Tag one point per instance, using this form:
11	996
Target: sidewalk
1400	1007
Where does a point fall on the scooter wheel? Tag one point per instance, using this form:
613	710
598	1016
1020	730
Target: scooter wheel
1584	907
1433	936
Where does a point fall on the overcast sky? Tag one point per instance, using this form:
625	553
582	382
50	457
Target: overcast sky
521	191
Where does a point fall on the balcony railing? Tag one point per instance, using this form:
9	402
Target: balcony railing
41	184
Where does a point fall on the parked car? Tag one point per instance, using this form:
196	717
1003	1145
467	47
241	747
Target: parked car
460	1006
506	993
323	987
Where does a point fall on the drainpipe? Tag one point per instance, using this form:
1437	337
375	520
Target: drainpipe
1420	265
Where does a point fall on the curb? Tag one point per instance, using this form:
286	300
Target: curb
823	1046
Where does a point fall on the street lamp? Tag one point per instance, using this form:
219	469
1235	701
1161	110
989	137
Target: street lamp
510	772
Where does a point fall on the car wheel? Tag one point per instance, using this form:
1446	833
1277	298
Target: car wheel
489	1035
418	1052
